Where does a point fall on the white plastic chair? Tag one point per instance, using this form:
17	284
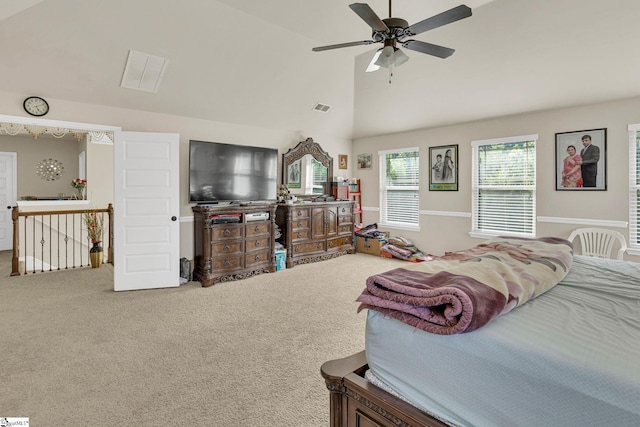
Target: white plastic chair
598	242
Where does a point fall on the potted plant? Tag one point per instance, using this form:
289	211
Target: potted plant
94	224
79	185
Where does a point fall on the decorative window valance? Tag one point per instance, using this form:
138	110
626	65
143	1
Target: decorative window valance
36	131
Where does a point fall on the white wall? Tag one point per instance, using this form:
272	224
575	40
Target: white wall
188	128
448	233
32	151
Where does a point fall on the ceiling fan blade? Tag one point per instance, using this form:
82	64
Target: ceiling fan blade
444	18
369	16
338	46
428	48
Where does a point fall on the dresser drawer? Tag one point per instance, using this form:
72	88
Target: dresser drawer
257	228
257	243
221	265
307	248
232	247
340	241
227	231
344	210
300	224
300	213
256	258
345	219
345	229
296	236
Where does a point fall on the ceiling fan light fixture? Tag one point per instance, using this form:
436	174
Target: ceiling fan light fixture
399	57
391	56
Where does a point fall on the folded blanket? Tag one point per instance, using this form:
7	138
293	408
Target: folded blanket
462	291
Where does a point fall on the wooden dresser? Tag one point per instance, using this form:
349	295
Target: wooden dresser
315	231
233	242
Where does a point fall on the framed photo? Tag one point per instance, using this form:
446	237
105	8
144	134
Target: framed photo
342	161
294	174
364	161
581	160
443	167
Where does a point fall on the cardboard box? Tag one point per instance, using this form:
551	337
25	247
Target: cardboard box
369	245
281	260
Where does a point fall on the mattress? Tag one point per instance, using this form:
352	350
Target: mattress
568	357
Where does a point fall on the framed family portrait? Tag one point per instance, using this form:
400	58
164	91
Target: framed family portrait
443	167
364	161
342	161
581	160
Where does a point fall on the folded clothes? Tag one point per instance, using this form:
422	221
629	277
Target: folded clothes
400	241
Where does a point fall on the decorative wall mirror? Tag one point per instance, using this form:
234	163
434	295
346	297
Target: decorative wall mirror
49	169
306	169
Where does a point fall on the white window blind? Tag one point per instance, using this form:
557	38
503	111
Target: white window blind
504	186
634	185
399	188
319	178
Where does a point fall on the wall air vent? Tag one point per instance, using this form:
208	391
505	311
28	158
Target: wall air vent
143	72
322	108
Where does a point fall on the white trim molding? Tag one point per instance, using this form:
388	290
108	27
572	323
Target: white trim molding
584	221
446	213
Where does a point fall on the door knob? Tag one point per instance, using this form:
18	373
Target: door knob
173	218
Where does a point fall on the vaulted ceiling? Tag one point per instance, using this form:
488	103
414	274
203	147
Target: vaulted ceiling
250	61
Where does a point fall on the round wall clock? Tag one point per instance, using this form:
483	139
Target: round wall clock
36	106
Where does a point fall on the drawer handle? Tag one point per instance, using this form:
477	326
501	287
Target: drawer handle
257	257
226	248
227	232
300	224
299	213
226	263
330	244
257	228
299	234
257	242
319	245
297	249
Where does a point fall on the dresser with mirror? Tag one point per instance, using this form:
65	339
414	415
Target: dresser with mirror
315	227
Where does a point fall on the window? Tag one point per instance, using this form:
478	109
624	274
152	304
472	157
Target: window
634	186
399	188
504	186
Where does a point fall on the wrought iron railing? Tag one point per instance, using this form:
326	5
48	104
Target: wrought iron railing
55	240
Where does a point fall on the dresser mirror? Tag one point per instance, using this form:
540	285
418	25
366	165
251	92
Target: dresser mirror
306	169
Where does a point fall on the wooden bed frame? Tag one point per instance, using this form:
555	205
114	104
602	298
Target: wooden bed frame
355	402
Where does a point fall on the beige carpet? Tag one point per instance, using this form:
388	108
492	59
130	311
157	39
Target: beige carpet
243	353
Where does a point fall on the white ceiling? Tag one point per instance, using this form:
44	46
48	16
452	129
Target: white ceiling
250	61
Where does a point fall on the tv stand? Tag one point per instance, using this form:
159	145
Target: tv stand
228	250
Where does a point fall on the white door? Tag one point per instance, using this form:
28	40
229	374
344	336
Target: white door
8	190
146	211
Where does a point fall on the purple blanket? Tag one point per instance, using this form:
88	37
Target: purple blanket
462	291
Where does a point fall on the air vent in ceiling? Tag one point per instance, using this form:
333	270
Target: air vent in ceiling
143	72
322	108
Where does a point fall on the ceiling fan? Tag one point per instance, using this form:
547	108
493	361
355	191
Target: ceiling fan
394	31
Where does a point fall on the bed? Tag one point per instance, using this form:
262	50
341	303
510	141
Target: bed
569	356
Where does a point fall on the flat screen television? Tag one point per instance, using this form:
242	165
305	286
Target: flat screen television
228	173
